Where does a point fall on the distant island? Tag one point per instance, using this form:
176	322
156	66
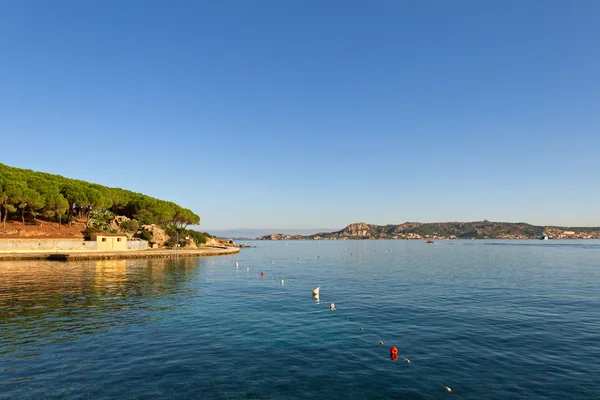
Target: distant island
446	230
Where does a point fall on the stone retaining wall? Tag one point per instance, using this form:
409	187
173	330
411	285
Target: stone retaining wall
46	244
137	245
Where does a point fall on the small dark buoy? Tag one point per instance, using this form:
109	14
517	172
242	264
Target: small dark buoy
362	329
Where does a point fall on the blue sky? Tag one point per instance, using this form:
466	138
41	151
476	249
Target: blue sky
313	114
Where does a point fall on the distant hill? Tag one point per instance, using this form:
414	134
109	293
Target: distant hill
446	230
249	233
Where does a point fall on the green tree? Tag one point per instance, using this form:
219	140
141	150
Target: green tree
74	193
56	205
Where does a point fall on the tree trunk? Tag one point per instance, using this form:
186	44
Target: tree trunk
58	217
1	208
23	215
70	213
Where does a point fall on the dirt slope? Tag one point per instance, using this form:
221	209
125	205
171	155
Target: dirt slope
41	230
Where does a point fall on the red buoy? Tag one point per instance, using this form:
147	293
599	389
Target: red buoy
393	353
262	274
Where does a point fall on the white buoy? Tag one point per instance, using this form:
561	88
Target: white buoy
247	268
237	264
281	281
315	291
381	342
332	307
448	389
407	360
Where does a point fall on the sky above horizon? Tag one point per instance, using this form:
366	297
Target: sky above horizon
313	114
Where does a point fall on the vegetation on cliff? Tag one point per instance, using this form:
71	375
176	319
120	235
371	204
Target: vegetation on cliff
27	195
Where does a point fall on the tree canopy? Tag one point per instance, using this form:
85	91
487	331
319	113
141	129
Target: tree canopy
25	193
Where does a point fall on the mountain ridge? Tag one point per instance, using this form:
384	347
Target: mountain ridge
446	230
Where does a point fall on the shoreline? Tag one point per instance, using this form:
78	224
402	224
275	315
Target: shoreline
78	255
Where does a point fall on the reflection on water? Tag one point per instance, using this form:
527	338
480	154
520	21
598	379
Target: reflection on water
48	302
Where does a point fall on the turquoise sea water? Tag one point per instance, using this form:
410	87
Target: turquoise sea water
489	319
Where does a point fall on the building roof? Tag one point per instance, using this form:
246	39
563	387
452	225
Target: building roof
107	234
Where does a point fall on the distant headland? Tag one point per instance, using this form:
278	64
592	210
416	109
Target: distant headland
446	230
37	207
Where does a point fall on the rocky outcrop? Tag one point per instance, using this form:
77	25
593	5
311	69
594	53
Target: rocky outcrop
115	223
358	229
216	242
159	236
190	244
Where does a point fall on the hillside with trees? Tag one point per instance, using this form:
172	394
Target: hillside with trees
30	197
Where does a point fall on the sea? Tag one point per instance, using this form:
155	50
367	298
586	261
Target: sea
470	319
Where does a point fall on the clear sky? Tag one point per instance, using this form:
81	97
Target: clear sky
311	114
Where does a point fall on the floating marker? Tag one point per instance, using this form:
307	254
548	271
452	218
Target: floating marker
362	329
407	360
281	281
247	268
262	274
448	389
237	264
381	342
332	307
315	291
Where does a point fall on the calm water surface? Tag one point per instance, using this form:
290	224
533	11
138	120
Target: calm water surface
489	319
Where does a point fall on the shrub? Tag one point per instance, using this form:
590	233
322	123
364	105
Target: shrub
145	235
130	226
100	219
88	231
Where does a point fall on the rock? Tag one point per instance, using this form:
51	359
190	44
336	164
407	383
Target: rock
190	244
159	236
219	243
115	223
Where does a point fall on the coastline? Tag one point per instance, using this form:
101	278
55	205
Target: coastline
78	255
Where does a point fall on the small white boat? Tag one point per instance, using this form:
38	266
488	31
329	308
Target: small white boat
315	291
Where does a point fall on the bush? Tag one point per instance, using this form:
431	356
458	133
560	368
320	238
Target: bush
87	232
130	226
100	219
145	235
